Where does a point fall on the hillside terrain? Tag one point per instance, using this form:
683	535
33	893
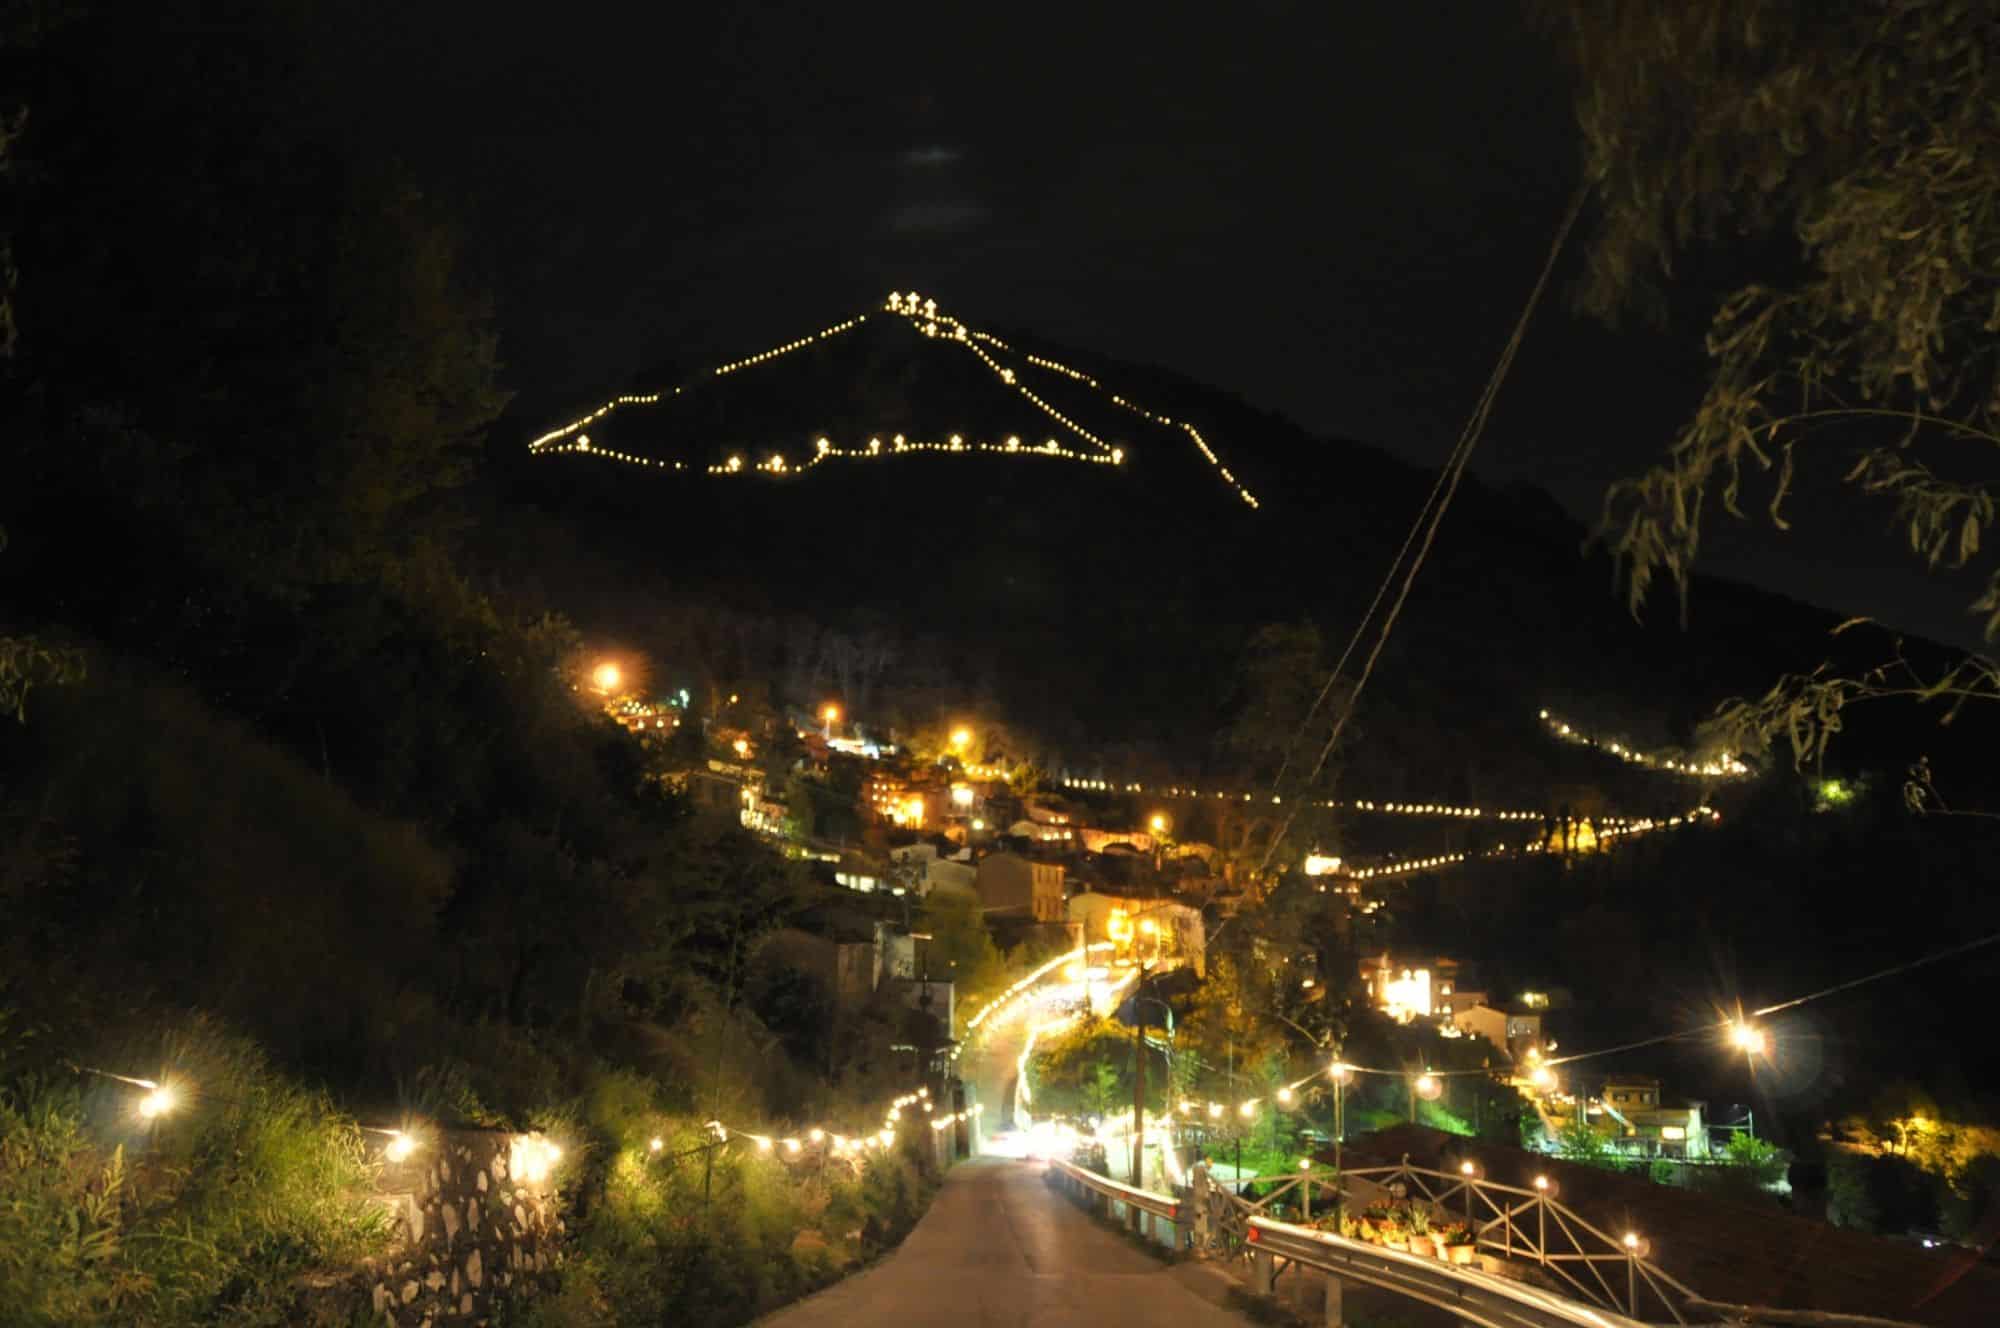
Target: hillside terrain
1105	608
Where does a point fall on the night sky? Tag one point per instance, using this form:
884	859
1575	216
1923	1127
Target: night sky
1334	211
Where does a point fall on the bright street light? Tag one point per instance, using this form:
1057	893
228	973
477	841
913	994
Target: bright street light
830	713
607	676
1159	823
960	738
158	1102
1748	1038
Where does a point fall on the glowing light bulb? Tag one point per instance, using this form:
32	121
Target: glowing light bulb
1748	1039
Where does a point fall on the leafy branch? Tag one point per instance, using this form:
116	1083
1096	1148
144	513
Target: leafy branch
1806	710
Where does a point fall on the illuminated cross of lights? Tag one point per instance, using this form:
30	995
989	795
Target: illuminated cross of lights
922	314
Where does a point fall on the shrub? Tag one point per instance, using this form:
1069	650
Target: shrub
206	1215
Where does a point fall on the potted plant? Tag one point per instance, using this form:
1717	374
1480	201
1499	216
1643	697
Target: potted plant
1395	1229
1419	1224
1457	1243
1375	1220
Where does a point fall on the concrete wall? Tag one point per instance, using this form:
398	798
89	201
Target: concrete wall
1010	883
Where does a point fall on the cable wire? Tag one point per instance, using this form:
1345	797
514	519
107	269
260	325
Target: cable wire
1454	470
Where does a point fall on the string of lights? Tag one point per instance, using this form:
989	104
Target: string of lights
824	1142
533	1156
1696	816
1743	1036
1189	792
1721	767
924	316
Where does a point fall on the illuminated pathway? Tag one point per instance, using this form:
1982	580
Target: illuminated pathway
999	1247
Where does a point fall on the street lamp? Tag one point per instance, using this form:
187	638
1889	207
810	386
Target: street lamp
1748	1039
607	676
1340	1073
1425	1086
829	715
961	738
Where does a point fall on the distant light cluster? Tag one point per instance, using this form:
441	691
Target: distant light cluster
1722	767
924	316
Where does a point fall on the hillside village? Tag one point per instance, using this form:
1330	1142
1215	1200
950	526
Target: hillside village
1046	869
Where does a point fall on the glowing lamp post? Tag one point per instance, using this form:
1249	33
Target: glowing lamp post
1637	1247
829	715
1469	1171
1749	1039
1340	1072
607	676
158	1101
1426	1086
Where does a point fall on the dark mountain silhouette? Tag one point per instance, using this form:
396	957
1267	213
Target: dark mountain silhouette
1107	604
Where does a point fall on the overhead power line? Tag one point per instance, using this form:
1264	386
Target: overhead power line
1431	517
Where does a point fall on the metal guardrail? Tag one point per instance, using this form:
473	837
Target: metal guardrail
1159	1217
1475	1297
1514	1221
1515	1226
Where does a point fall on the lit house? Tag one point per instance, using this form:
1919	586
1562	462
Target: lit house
898	801
1512	1030
1648	1126
1409	988
1142	929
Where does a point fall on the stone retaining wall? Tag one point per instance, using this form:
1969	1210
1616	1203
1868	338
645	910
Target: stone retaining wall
479	1221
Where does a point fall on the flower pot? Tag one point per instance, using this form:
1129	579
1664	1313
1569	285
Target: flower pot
1460	1254
1423	1247
1396	1242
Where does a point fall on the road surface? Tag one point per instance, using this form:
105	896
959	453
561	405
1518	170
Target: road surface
999	1249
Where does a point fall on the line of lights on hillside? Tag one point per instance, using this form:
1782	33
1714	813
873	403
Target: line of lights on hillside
824	449
923	315
820	1141
1350	804
1014	991
1739	1035
654	398
1722	767
533	1156
1697	816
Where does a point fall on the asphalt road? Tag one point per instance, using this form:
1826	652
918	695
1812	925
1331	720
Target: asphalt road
997	1249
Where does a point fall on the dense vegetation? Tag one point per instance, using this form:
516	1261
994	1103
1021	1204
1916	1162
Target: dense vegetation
292	755
277	773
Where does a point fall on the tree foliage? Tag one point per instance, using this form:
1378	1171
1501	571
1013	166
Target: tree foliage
1847	153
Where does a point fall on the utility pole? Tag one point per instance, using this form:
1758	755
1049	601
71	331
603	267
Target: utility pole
1138	1075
